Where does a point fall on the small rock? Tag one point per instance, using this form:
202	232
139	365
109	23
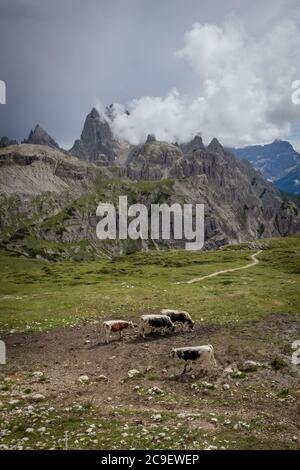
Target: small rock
101	377
208	385
238	374
37	397
226	386
29	430
250	366
156	417
155	390
230	369
14	402
83	379
37	374
133	373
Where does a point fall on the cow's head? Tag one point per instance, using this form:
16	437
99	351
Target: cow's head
191	324
132	325
173	353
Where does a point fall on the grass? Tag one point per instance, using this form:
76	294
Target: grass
91	429
36	294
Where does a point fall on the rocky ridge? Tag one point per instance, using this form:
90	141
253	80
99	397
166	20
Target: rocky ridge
53	195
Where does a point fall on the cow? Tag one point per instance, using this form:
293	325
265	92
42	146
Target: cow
156	322
203	354
179	317
116	326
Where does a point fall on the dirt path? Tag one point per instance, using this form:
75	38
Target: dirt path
197	279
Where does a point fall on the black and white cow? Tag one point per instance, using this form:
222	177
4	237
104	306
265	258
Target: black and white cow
155	323
179	317
203	354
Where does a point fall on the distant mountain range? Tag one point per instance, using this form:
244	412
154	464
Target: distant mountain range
278	162
49	196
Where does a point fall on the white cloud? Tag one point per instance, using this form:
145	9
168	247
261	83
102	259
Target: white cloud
244	91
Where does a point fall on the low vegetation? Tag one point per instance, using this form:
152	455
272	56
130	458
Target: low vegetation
37	294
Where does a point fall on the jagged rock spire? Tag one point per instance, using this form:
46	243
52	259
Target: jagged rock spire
150	138
96	138
195	144
216	147
41	137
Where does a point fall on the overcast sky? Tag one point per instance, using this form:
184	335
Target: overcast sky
221	68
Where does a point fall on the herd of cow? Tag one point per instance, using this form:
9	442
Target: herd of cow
166	321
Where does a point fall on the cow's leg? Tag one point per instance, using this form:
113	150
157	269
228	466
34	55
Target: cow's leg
120	334
142	331
213	360
107	333
185	367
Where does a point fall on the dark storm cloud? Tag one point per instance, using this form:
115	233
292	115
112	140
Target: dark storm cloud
59	58
20	10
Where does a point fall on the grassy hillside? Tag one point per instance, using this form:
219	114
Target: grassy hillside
36	294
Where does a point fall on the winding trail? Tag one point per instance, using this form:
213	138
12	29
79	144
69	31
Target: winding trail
197	279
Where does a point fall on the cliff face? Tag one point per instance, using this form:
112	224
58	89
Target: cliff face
240	203
49	199
96	141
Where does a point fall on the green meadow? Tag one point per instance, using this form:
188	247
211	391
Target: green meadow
36	294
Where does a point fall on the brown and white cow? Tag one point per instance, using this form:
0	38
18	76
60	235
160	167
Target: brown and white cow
116	326
179	317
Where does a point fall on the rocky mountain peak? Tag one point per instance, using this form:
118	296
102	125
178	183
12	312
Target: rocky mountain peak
96	139
94	114
150	138
195	144
279	162
5	142
283	145
40	137
215	147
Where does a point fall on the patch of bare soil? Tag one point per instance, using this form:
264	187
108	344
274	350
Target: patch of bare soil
266	396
